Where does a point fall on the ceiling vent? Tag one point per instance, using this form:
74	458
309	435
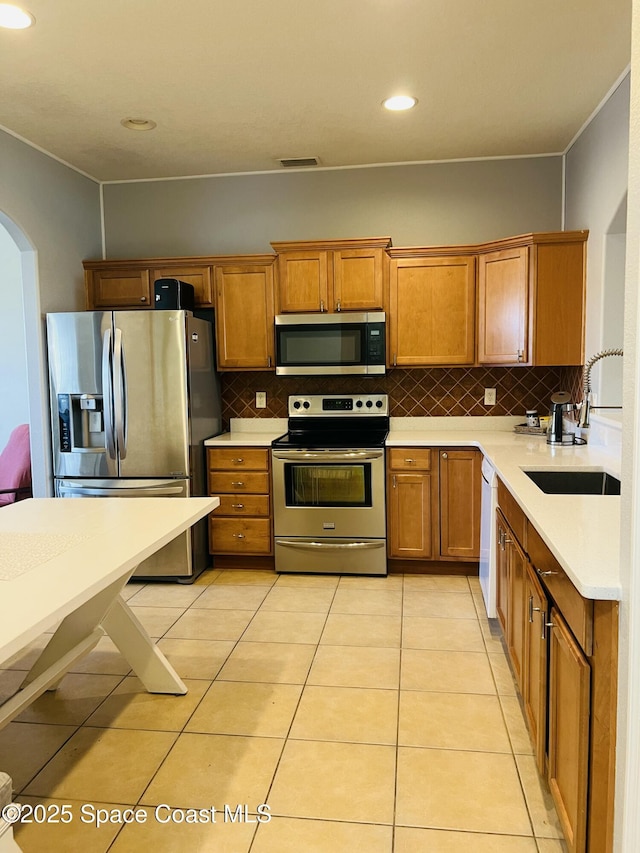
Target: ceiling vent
298	162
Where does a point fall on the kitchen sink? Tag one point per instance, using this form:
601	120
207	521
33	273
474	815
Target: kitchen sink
575	482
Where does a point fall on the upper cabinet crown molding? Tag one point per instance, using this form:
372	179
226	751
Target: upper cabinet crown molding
330	245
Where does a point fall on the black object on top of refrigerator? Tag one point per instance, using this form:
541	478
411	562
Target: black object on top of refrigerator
134	394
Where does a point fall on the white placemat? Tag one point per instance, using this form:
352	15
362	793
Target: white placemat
21	552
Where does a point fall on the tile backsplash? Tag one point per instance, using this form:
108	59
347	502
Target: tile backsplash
418	392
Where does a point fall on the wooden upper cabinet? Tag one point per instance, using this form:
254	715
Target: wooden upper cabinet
199	276
303	281
358	280
431	310
118	288
244	314
503	306
129	284
332	275
531	293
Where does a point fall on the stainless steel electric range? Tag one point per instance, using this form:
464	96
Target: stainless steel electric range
329	485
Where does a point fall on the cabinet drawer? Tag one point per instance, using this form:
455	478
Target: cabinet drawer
410	458
239	535
515	517
577	611
252	459
238	482
243	505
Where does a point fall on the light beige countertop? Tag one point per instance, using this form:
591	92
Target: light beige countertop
250	432
582	531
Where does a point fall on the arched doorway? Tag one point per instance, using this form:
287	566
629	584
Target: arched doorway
26	351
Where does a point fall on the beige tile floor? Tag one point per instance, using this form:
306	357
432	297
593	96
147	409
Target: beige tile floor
369	714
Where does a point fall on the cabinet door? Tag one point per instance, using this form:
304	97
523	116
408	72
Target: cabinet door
199	277
559	303
303	280
432	311
244	317
460	477
358	280
516	563
503	306
534	691
502	573
413	518
569	710
119	288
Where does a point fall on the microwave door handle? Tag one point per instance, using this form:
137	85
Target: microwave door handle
120	394
107	393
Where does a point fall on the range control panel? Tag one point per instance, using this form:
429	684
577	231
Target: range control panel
335	405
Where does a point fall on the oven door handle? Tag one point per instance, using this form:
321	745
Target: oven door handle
327	455
331	546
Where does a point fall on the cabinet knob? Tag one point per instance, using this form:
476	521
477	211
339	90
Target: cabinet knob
239	535
237	506
445	455
238	461
269	361
237	483
546	574
143	299
410	461
520	355
322	305
338	306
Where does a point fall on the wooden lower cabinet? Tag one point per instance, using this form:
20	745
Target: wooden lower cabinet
568	750
536	645
502	572
433	503
412	515
516	570
563	652
242	524
460	488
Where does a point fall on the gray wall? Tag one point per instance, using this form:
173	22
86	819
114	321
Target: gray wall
53	215
596	192
13	357
427	204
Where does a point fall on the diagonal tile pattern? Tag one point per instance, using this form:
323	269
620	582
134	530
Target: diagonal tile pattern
367	713
416	392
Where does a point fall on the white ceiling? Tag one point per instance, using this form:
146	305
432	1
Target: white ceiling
236	84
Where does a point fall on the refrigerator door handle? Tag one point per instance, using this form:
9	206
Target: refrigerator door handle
120	393
107	392
75	491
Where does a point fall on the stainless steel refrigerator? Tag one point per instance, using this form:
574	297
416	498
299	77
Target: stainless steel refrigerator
133	396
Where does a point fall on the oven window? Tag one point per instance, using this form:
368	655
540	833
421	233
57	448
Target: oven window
328	485
326	345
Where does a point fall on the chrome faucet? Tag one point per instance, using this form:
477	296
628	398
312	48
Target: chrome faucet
585	405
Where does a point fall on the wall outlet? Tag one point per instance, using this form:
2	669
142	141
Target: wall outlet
261	399
489	396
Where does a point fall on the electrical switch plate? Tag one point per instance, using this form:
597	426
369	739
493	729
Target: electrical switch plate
489	396
261	399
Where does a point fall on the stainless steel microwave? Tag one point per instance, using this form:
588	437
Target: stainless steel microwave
330	344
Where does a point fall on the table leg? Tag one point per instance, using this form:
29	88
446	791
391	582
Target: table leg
145	658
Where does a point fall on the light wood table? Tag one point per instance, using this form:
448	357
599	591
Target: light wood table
64	563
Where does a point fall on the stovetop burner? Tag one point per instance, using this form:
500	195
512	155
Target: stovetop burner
334	421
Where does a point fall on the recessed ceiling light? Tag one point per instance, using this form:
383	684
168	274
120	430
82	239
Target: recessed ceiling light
14	18
138	123
399	102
